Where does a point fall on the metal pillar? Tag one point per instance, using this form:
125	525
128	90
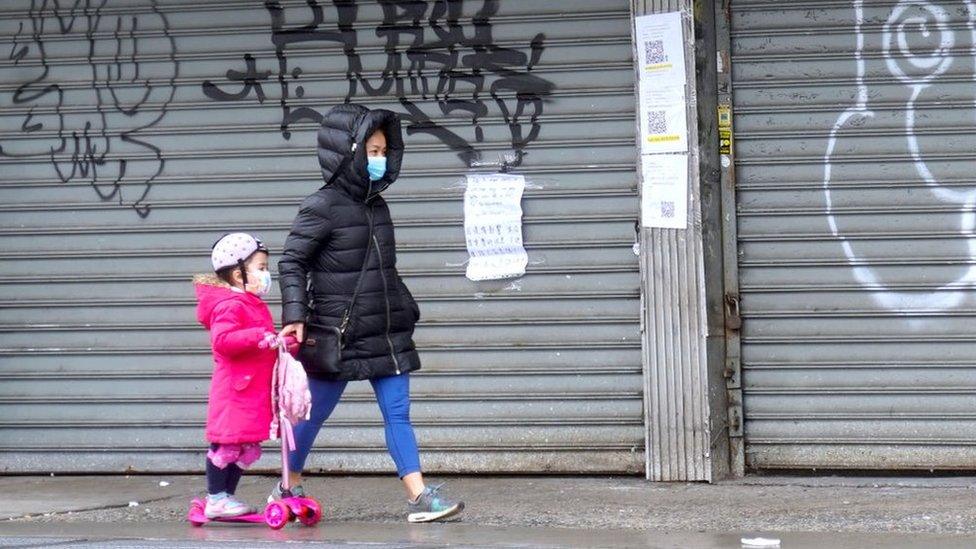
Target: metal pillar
683	321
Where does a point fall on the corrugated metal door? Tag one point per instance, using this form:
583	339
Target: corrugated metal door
135	132
855	141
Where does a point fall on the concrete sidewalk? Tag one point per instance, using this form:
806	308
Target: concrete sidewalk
568	511
345	535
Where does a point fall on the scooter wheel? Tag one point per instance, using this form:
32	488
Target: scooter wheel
277	515
311	512
195	515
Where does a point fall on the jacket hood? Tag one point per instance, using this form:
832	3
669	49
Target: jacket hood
344	131
211	291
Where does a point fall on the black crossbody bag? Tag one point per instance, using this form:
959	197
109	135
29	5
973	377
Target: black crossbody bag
321	351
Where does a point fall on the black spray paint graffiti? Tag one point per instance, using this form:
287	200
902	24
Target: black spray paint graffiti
460	73
86	116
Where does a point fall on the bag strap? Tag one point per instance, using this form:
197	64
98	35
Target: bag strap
342	166
359	282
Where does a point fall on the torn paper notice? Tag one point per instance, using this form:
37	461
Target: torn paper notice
664	191
493	226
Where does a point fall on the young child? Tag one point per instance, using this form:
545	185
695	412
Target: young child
243	339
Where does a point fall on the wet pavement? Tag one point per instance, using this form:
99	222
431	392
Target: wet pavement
149	511
179	536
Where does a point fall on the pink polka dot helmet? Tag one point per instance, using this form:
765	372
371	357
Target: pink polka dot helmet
233	249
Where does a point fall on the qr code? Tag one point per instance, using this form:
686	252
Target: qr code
667	210
654	51
656	122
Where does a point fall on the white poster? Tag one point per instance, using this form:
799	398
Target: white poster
664	196
664	128
493	226
661	58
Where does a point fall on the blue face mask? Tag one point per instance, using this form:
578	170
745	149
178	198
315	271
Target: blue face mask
259	282
376	166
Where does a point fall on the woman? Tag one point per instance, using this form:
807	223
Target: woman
343	298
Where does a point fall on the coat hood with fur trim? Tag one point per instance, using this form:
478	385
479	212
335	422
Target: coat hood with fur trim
211	291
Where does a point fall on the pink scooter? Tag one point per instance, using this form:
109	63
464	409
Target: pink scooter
277	513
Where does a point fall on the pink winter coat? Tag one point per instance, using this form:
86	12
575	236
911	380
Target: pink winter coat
239	408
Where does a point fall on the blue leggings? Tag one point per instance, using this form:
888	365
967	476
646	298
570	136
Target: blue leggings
393	397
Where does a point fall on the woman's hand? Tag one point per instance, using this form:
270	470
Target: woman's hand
292	346
295	329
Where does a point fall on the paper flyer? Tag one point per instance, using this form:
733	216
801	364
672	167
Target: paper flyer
664	196
493	226
661	58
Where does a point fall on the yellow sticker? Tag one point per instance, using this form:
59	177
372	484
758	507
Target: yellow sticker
725	140
724	116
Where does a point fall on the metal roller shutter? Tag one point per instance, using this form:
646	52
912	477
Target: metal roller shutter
854	126
135	132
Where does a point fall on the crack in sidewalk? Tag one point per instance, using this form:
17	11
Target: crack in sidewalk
56	543
89	509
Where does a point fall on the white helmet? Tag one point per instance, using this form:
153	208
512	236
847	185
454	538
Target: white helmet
233	250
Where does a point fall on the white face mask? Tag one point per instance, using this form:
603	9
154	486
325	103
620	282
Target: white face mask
259	282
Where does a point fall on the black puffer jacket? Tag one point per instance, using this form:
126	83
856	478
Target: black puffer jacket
340	226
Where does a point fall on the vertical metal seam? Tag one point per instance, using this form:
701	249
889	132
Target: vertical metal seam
700	391
656	358
683	378
667	365
688	386
704	435
678	355
658	370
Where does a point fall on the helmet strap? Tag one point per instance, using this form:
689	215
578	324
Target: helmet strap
240	263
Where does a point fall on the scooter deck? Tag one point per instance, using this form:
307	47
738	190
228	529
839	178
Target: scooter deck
197	516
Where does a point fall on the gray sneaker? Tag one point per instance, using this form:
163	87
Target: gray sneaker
431	505
278	492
